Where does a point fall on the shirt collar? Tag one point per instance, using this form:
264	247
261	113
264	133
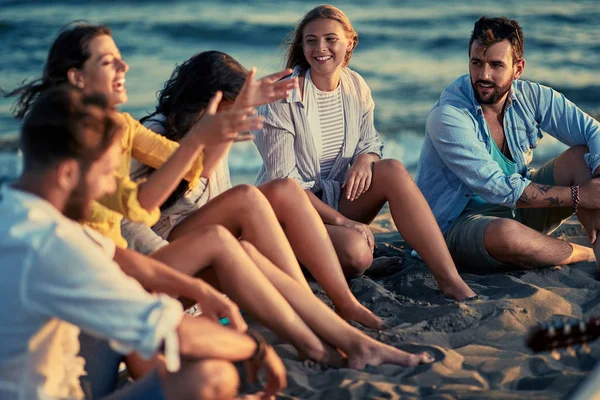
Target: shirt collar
512	96
295	96
21	197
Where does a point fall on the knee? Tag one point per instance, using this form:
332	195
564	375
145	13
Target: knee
280	191
392	168
502	236
578	151
248	196
216	234
356	258
214	379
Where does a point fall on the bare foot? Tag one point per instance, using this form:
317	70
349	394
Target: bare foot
458	291
372	352
331	356
360	314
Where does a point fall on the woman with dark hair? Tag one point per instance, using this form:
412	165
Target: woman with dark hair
323	137
185	95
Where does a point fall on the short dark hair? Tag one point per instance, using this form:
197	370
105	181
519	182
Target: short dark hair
62	124
490	31
69	50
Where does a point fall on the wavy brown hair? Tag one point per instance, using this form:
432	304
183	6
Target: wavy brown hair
295	53
69	50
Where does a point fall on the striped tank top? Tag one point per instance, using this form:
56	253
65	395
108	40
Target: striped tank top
331	116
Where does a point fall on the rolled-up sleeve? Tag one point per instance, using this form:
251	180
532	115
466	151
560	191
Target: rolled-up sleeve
453	135
565	121
70	278
275	143
369	141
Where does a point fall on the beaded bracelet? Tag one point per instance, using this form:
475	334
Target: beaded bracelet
575	197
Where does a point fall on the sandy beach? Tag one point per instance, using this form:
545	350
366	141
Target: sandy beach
479	345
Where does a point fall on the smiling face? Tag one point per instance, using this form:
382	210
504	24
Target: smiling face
325	45
103	72
492	71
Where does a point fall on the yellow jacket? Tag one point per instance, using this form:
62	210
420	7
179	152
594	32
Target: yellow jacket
149	148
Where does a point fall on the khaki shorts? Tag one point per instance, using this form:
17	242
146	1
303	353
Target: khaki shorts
465	236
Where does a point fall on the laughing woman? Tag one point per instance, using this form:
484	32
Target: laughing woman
324	138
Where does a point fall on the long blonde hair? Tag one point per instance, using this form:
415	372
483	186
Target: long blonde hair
295	53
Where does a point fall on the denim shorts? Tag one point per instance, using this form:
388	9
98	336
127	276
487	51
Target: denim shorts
101	365
465	238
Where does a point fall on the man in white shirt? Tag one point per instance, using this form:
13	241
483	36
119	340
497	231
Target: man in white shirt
58	277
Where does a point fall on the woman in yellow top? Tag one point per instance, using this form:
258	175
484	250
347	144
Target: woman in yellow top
87	57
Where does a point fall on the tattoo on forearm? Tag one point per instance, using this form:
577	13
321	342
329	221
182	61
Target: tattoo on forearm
553	201
534	191
526	199
543	189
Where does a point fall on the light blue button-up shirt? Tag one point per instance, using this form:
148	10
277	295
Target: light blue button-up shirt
455	160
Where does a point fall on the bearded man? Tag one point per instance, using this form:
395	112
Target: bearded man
496	211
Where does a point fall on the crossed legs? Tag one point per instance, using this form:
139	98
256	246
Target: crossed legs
513	243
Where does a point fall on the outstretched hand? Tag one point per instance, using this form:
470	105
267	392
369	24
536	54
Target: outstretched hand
216	127
265	90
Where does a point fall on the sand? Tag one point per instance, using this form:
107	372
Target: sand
479	346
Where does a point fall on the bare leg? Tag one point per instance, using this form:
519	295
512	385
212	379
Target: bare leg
514	243
570	169
312	245
352	249
360	348
246	213
413	218
243	282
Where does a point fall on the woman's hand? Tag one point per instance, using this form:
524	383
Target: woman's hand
265	90
216	306
275	370
359	176
362	229
215	128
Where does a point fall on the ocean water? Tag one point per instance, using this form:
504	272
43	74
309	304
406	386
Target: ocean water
408	51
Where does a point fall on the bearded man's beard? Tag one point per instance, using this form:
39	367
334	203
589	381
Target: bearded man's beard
77	206
497	93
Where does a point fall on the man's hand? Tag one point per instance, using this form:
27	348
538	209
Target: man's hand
362	229
215	306
359	177
275	370
215	128
265	90
589	194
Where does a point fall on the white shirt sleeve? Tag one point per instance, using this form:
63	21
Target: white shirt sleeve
71	278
